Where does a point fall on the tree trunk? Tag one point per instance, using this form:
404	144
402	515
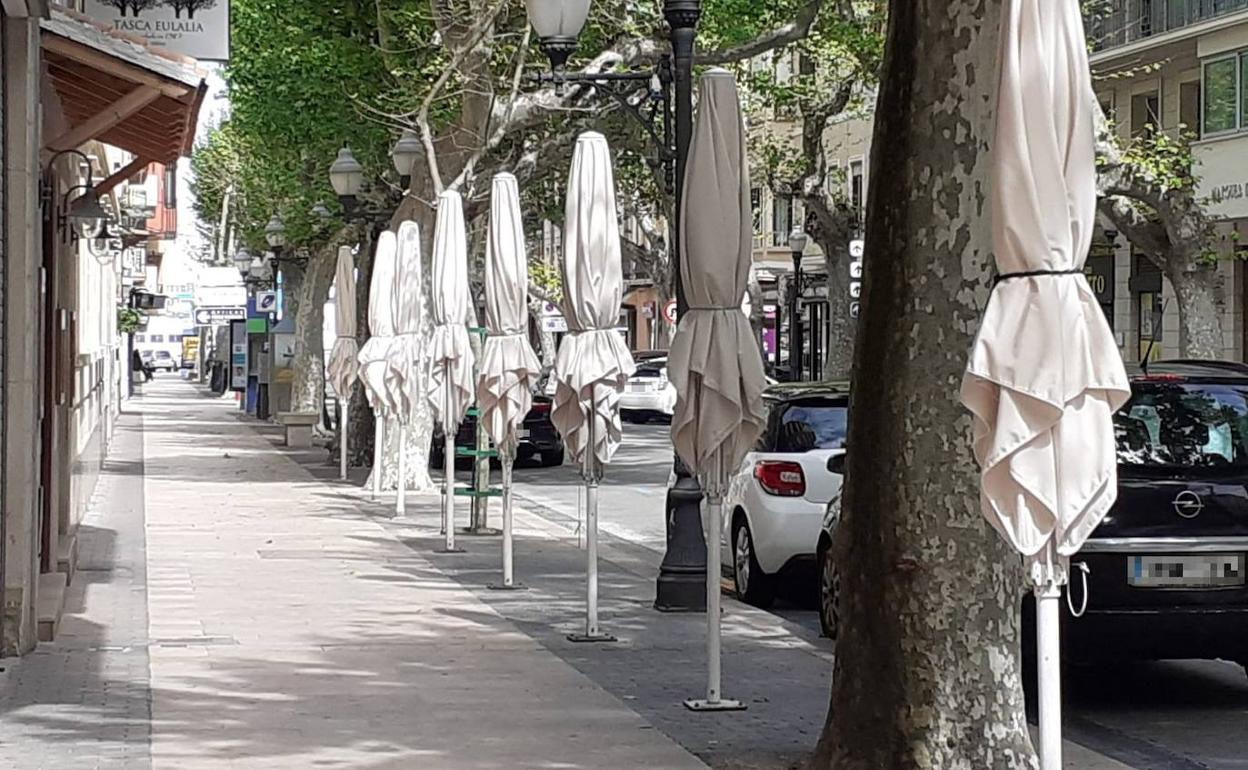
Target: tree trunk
308	389
1196	288
841	328
360	414
926	673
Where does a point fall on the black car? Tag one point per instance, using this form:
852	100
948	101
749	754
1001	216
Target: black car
538	437
1166	566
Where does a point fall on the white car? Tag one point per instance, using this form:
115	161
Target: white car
775	506
648	392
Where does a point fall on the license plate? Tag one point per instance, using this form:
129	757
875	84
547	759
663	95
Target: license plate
638	387
523	433
1193	571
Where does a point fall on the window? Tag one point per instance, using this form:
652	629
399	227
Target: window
814	425
1184	425
175	337
1223	90
1189	107
156	338
140	338
857	185
1145	113
781	219
756	208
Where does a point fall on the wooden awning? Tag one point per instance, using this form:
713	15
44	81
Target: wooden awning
115	89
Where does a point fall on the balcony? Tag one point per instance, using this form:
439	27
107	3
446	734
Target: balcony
1116	23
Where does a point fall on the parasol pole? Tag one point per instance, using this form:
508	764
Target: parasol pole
400	501
342	437
1048	592
715	516
448	462
379	451
507	457
591	471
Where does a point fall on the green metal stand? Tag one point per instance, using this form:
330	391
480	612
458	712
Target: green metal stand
480	492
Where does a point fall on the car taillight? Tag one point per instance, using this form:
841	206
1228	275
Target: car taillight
542	408
782	479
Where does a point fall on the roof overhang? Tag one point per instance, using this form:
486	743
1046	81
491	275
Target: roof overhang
117	90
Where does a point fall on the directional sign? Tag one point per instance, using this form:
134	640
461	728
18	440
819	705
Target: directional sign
856	250
669	311
266	302
219	316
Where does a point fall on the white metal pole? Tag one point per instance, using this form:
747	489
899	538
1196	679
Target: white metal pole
591	582
342	438
379	453
1049	665
714	510
714	700
508	568
448	459
400	500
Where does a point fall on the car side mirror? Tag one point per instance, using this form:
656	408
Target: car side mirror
836	464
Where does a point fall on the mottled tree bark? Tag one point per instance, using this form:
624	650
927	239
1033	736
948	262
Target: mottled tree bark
927	673
307	392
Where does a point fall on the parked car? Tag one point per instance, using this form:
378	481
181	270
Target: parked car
538	437
778	497
648	392
1166	567
163	360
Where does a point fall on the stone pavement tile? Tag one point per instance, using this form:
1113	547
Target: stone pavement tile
313	656
83	701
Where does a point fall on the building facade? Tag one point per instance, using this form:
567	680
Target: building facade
83	112
1179	67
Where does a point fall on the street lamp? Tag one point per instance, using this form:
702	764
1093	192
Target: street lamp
321	212
797	242
558	23
347	177
275	233
406	151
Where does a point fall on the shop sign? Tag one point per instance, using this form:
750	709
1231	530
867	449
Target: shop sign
199	29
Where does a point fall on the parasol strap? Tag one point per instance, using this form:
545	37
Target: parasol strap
1031	274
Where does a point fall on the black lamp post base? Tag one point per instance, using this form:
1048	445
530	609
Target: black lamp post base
679	592
682	575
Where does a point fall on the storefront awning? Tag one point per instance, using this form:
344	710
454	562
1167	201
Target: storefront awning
115	89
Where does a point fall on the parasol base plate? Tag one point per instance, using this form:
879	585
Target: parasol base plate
483	532
456	549
723	704
591	638
512	587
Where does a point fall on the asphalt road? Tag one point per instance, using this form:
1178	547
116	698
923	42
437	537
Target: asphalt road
1170	715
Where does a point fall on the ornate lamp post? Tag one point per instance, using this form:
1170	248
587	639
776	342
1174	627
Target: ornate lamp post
558	23
797	242
406	151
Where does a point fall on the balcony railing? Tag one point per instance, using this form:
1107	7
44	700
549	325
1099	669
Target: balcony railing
1114	23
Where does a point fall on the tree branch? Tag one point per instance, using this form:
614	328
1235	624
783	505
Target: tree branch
786	34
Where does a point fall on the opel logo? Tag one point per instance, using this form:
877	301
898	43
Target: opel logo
1188	505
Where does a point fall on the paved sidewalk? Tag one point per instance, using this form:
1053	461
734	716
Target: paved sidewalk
277	639
239	609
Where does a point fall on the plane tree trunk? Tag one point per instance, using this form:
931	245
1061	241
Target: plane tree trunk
927	673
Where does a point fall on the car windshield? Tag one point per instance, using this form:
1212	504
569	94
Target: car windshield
163	354
1184	425
651	369
813	426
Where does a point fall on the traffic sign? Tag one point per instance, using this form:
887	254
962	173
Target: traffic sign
266	302
669	311
219	316
857	248
855	309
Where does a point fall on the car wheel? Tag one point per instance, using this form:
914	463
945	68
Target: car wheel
752	584
553	458
829	590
